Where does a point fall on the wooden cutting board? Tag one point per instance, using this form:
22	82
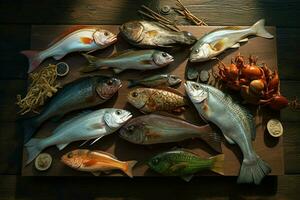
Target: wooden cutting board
268	148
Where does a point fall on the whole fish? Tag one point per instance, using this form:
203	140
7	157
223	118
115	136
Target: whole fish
84	93
154	129
96	162
236	124
129	59
185	163
149	100
80	38
152	34
217	41
86	126
157	80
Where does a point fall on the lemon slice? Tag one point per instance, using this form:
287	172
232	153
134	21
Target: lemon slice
275	127
43	161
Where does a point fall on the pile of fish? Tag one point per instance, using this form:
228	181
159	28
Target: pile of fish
152	99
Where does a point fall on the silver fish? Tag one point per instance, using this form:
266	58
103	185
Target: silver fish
93	125
157	80
236	124
155	129
83	93
217	41
129	59
79	38
152	34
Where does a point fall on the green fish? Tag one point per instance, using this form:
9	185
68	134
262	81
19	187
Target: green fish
185	163
157	80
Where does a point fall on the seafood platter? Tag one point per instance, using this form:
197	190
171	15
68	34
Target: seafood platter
139	99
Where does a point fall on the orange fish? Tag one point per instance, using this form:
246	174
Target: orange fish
96	162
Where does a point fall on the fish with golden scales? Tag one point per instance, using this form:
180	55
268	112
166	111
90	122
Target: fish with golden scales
236	124
76	39
149	100
214	43
96	162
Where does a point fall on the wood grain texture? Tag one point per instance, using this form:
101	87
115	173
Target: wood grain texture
216	12
264	145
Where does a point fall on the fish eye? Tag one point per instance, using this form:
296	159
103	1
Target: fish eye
106	33
109	82
196	86
134	94
118	112
70	155
197	50
155	161
164	54
189	34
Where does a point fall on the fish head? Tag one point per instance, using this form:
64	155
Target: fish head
107	87
132	31
75	158
173	80
159	163
189	38
196	91
104	38
134	131
138	97
115	118
202	53
161	58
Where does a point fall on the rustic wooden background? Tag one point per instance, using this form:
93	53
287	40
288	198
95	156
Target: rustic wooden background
16	18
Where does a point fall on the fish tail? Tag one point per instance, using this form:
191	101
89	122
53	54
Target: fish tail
132	83
129	167
253	171
33	148
210	137
218	164
33	58
30	126
92	63
259	29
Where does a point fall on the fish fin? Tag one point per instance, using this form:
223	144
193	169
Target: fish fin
33	149
96	140
237	45
91	67
220	44
98	173
117	70
33	58
178	167
90	163
169	89
211	138
61	146
259	29
130	165
59	56
132	83
106	153
244	40
229	140
187	178
86	40
253	171
67	32
30	127
218	164
122	53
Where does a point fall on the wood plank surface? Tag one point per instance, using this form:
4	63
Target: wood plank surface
264	145
16	17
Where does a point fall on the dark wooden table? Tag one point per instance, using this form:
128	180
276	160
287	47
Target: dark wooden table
16	18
